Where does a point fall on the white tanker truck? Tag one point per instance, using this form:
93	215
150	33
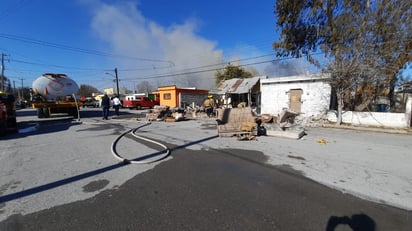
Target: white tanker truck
54	93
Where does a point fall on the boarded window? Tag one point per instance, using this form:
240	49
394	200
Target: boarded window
167	96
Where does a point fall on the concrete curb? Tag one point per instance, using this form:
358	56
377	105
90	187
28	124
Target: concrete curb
371	129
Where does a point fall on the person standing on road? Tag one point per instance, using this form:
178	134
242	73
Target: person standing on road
105	106
116	104
209	105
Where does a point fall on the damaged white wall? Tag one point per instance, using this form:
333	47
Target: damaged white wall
315	98
376	119
373	119
408	110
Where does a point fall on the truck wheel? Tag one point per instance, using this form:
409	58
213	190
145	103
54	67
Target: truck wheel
12	123
46	112
138	107
40	113
3	127
74	113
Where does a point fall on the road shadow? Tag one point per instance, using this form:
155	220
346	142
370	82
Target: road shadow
123	114
357	222
55	184
28	124
32	128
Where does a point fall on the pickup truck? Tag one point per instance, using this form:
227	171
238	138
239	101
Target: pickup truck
139	102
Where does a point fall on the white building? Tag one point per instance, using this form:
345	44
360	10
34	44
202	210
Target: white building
307	94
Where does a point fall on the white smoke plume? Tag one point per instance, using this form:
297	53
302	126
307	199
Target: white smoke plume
171	55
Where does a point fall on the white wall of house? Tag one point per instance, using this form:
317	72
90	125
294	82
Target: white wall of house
408	110
376	119
373	119
315	97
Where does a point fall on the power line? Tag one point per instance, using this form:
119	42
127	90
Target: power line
53	65
209	70
138	69
188	71
221	63
92	52
80	50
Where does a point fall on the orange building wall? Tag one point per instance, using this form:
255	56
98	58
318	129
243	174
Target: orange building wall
174	94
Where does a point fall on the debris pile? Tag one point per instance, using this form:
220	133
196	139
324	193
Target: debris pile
164	113
242	123
288	124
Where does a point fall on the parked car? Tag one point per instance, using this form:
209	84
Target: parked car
20	104
90	102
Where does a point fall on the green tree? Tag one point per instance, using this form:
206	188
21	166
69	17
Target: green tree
231	72
22	93
392	31
367	42
87	90
5	84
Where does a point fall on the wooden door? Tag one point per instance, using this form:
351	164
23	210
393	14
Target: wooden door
295	102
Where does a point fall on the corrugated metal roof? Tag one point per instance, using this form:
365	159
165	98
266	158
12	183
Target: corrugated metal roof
237	86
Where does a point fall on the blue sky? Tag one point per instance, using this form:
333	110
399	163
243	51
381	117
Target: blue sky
164	42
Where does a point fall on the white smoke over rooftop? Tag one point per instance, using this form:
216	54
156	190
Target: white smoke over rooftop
162	51
291	67
175	54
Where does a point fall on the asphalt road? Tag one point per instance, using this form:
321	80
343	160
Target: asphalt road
207	189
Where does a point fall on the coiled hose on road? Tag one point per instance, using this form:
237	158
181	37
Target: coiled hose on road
138	160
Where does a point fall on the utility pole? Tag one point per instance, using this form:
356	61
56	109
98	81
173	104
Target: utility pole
2	72
21	95
116	79
117	82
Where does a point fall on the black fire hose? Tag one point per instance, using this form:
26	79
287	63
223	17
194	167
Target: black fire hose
133	132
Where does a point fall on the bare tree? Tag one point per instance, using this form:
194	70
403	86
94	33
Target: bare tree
87	90
144	87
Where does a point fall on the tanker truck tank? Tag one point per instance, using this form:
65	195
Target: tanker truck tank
54	86
54	93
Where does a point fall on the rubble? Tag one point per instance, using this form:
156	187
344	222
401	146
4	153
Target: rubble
289	125
242	123
164	113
